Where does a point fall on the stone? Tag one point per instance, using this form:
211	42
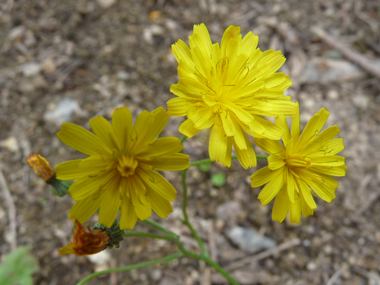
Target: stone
319	70
230	211
249	240
62	112
106	3
11	144
48	66
31	69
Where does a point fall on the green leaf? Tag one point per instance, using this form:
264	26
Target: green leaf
18	267
218	179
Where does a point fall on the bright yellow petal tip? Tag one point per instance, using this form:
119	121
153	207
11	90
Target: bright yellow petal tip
303	165
227	87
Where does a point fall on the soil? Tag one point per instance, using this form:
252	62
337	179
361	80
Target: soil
105	57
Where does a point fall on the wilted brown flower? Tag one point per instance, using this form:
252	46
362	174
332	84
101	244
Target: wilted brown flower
86	243
40	166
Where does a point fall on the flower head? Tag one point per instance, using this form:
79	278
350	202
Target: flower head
301	166
86	242
227	88
41	167
119	172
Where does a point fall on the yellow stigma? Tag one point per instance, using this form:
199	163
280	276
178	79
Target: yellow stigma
127	165
298	162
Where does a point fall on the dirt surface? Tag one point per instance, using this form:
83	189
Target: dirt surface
104	57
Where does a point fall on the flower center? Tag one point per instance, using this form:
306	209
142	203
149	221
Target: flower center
298	162
127	165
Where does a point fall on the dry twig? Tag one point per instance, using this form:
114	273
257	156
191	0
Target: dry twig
252	259
11	211
357	58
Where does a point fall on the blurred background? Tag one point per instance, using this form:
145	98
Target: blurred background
68	61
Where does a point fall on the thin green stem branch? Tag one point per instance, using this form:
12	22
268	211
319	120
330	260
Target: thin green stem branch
149	235
183	138
186	220
207	160
166	259
160	228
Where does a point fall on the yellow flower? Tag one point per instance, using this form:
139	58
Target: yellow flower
300	167
119	172
85	243
226	88
41	167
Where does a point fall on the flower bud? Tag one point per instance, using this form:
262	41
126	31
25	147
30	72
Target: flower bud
41	167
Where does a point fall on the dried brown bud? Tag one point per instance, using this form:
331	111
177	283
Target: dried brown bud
86	242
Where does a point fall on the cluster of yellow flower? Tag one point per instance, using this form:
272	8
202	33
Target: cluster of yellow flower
227	88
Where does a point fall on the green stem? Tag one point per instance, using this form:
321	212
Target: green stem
149	235
186	218
202	161
130	267
209	261
183	138
160	228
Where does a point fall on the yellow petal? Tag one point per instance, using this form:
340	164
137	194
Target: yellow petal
334	171
177	106
281	122
272	188
262	176
157	182
202	61
240	113
295	128
227	159
249	43
272	131
329	148
80	139
322	139
173	162
160	205
280	207
247	157
269	146
202	117
122	124
128	217
139	198
313	127
109	207
305	209
188	129
328	160
231	33
323	185
160	147
276	161
181	51
228	124
217	144
96	162
88	185
188	88
69	170
295	211
84	209
103	130
149	126
306	194
290	185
